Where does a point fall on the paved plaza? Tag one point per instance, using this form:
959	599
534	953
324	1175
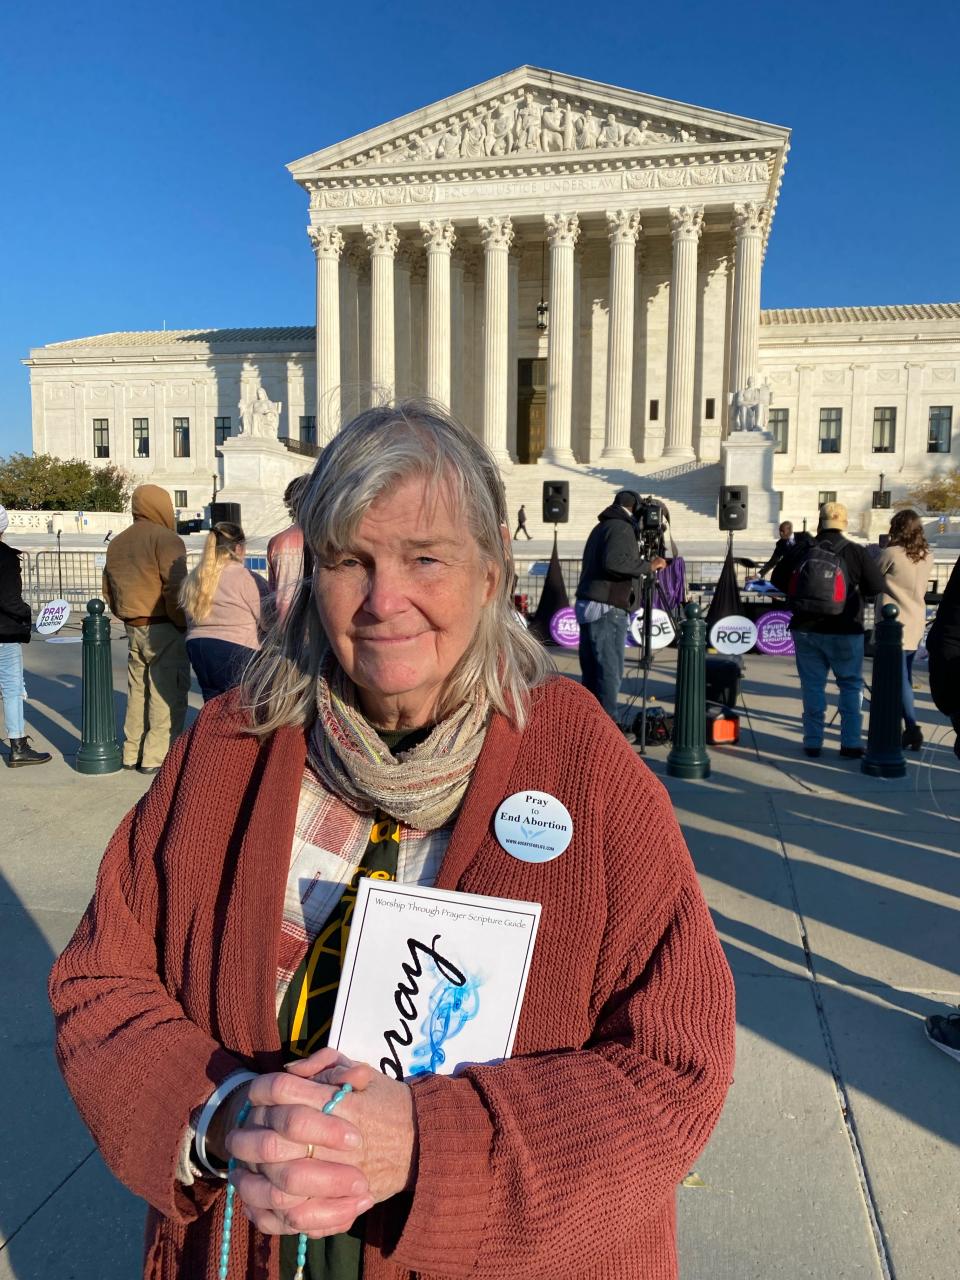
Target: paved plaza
837	898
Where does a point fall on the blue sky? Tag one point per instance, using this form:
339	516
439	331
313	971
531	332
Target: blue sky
144	144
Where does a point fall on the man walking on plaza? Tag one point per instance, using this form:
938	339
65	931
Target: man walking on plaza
146	565
521	524
828	633
608	589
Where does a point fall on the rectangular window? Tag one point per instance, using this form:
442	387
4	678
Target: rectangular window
779	428
180	498
826	495
222	428
778	494
101	437
141	437
711	409
938	428
884	430
830	427
308	429
181	437
654	410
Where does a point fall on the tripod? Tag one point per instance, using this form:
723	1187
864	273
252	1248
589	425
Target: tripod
652	545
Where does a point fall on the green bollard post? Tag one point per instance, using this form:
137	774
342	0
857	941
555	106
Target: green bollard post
688	757
99	752
883	757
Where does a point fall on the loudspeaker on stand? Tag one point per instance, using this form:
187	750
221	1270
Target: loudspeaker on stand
556	501
733	507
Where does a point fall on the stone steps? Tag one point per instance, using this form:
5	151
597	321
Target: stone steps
690	491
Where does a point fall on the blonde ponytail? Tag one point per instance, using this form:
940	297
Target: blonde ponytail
200	585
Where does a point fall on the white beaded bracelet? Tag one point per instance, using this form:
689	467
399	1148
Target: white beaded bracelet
220	1094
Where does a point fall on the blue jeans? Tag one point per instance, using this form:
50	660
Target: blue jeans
817	655
601	657
12	688
909	711
218	664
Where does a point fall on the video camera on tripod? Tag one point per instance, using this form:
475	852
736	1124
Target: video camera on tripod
651	520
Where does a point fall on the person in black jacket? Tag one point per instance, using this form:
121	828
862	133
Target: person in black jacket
943	648
609	588
826	642
14	632
784	547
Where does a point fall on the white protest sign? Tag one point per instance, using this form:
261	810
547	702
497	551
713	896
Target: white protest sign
661	628
52	617
432	979
734	634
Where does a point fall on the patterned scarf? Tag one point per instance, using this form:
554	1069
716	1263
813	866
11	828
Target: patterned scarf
422	787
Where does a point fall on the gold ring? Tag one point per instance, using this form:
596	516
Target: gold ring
309	1150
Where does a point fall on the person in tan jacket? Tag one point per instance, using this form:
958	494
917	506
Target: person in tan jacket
146	565
906	564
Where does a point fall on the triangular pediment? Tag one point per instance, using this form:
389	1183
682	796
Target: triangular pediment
529	115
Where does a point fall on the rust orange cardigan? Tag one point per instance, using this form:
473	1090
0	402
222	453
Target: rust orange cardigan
562	1163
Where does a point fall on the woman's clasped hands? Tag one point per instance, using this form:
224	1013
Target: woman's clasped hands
299	1170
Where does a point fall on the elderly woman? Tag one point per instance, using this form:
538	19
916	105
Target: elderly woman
383	722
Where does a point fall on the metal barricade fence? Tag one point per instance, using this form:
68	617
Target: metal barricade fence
77	576
74	576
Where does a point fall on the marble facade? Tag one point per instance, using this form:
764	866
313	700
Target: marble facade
640	223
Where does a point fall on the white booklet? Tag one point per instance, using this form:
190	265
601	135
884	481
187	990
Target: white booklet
432	979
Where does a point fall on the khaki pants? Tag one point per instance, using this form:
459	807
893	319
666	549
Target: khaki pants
158	680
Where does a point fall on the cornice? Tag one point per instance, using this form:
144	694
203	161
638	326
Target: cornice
902	313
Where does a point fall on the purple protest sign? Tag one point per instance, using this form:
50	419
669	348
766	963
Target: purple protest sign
565	629
773	633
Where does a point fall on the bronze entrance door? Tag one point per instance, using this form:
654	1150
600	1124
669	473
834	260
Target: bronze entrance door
531	409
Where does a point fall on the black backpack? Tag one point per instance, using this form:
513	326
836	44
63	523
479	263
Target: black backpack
818	581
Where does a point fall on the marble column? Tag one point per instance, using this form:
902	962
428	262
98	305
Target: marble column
915	427
405	263
857	447
686	223
749	222
327	246
623	229
805	430
562	232
513	329
496	233
439	239
457	266
382	241
351	402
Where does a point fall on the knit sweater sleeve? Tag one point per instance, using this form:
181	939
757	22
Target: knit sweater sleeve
134	1063
496	1196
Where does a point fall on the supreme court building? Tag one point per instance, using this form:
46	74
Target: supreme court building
572	268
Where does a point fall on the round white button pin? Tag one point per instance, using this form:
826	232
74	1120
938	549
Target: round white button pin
533	826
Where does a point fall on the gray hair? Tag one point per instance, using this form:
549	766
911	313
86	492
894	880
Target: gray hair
377	449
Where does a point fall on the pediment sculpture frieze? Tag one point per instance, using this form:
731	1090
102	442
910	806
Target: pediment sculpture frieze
531	124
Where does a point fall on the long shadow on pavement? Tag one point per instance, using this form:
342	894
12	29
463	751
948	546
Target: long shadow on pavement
61	1212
